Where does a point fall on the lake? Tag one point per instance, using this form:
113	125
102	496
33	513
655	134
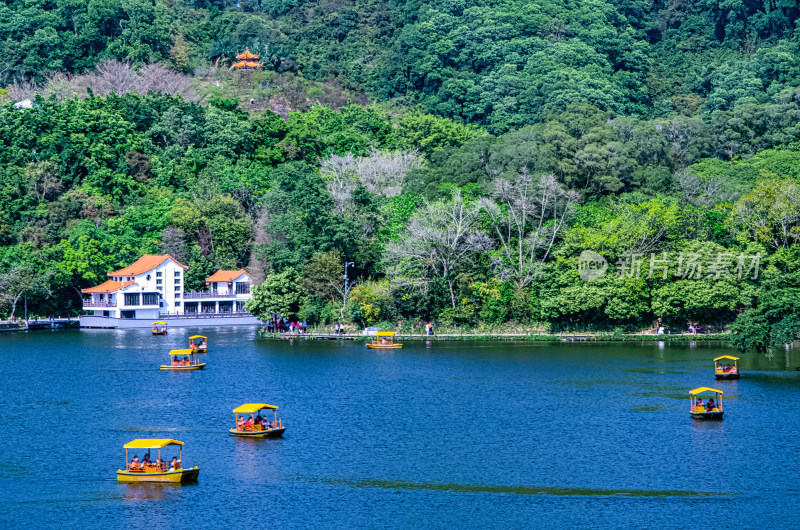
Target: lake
441	435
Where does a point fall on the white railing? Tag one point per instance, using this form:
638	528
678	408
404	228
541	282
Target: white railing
202	314
89	303
204	296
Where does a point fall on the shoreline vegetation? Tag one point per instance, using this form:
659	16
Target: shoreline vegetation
566	337
586	166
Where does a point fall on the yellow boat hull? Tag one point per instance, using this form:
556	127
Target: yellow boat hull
174	477
268	433
384	346
200	366
199	350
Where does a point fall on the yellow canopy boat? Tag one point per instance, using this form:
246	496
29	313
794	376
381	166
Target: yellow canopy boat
189	361
159	470
711	410
198	343
159	328
257	426
384	340
726	371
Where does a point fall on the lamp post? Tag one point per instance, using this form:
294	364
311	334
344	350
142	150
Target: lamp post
346	288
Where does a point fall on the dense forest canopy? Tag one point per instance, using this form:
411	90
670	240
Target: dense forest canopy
463	154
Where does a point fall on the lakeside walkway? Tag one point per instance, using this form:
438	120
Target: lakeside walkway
561	337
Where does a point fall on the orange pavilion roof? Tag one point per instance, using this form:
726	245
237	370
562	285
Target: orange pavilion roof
247	55
144	264
226	276
246	64
109	286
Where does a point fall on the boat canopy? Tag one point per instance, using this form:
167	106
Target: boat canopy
151	443
160	322
385	334
249	408
197	337
704	389
186	351
727	357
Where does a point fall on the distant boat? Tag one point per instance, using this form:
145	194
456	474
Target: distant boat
273	429
726	371
701	411
384	340
198	343
159	328
189	361
158	471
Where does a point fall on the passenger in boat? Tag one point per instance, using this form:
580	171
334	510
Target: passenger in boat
384	341
159	464
264	424
185	361
146	460
175	464
259	419
699	406
175	361
240	423
135	465
250	422
710	405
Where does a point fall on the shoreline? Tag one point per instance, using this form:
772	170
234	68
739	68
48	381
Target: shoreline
499	337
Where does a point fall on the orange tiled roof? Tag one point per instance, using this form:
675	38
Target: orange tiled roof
247	55
226	276
144	264
109	286
246	64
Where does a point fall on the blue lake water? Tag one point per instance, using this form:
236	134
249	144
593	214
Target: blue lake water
441	435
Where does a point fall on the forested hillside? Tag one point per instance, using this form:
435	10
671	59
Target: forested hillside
463	154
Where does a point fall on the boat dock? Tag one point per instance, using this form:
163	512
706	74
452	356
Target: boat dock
32	325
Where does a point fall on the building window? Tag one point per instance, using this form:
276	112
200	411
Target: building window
128	314
177	304
150	299
158	275
158	282
132	299
242	288
177	294
177	274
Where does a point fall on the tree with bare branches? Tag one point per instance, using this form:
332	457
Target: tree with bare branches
383	171
530	214
439	239
341	178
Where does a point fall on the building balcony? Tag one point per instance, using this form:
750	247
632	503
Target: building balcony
88	303
205	314
208	296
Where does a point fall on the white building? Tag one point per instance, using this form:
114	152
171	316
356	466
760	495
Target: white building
153	289
227	293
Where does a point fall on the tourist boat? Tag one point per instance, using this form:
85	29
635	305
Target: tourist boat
384	340
156	472
700	411
198	344
726	371
159	328
274	429
189	361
